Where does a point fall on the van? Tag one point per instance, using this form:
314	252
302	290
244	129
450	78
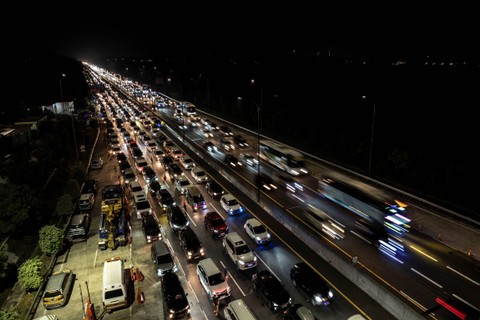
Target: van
114	293
78	227
142	205
195	198
162	258
238	310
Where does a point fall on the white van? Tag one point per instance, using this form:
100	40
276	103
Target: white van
114	289
238	310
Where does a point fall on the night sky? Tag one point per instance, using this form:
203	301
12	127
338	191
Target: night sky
89	32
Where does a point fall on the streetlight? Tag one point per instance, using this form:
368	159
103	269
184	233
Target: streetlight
371	139
71	109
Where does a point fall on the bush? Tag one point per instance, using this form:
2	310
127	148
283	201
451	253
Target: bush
64	205
50	239
72	188
9	313
30	274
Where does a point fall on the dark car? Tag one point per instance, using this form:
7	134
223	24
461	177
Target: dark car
151	229
166	161
165	198
176	218
174	170
209	146
232	161
124	165
90	186
298	312
149	174
121	157
240	141
215	224
271	290
226	131
265	182
154	186
174	296
191	244
311	283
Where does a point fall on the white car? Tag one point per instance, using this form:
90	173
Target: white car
96	163
230	204
212	279
257	231
187	162
239	251
199	175
182	183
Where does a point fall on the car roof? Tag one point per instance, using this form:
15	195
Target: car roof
254	222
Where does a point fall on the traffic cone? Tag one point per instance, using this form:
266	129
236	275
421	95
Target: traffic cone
132	274
140	297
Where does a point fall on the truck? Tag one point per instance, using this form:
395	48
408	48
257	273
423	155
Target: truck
113	229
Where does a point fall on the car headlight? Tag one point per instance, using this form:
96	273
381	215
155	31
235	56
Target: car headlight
189	254
317	298
255	258
330	294
258	238
201	250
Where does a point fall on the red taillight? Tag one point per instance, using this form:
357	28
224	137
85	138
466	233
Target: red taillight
451	308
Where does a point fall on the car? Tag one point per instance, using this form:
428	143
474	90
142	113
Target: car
288	183
174	296
151	228
162	258
165	199
271	290
116	150
214	189
226	145
249	159
129	175
226	131
311	283
187	162
215	224
190	244
181	184
174	170
230	204
149	174
166	160
240	141
239	251
232	161
238	310
265	182
58	290
257	231
298	312
96	163
176	153
156	155
90	186
210	146
207	133
212	279
136	188
140	163
86	201
154	186
177	218
198	174
123	165
121	157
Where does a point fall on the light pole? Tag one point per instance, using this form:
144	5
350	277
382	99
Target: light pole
371	139
71	109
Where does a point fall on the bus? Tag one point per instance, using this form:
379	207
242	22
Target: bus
188	108
373	206
285	159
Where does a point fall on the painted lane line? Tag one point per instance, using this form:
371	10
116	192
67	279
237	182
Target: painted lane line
426	278
462	275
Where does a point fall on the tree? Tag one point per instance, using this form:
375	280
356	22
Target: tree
79	174
72	188
50	239
9	313
15	202
30	274
64	205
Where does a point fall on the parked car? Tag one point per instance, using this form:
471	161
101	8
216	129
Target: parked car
215	224
90	186
311	283
86	201
271	290
96	163
174	296
58	290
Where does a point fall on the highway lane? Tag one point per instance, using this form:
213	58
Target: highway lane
462	280
263	165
